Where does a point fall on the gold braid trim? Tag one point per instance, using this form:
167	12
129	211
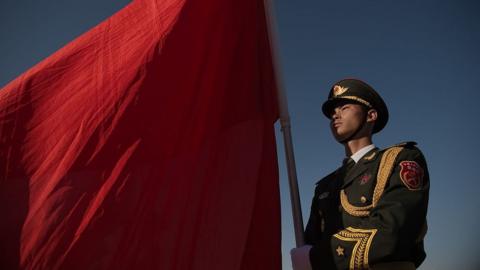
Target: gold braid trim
385	170
356	211
363	240
361	100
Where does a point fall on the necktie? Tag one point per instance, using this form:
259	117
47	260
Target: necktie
348	164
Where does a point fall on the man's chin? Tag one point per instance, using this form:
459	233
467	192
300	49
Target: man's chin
340	137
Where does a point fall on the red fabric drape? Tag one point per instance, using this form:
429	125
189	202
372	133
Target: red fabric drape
146	143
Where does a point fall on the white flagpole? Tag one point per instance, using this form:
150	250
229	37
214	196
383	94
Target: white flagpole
285	127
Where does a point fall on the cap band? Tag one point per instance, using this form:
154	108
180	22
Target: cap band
364	102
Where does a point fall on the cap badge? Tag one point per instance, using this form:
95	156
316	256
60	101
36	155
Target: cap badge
338	90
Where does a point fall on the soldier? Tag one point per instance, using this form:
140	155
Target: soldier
371	212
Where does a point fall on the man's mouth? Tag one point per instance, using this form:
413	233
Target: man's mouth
336	124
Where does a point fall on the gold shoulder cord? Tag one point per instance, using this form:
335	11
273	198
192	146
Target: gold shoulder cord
384	172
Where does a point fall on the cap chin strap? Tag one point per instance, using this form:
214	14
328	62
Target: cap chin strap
356	131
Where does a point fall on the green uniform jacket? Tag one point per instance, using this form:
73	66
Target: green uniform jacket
381	217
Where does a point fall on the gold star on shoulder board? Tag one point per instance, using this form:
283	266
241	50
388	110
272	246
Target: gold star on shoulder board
340	251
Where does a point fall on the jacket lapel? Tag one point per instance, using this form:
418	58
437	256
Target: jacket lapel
361	166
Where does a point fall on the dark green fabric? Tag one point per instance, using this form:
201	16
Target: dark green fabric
399	217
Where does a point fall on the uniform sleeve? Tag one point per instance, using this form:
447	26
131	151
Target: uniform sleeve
312	234
393	229
312	231
320	257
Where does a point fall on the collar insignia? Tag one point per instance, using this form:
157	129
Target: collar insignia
338	90
370	157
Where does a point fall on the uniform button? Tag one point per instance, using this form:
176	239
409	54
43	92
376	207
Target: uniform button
363	199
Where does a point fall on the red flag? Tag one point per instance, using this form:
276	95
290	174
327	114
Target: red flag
147	143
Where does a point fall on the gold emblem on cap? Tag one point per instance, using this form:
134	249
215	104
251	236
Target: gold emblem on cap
338	90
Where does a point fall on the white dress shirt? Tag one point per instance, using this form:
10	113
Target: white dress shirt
360	153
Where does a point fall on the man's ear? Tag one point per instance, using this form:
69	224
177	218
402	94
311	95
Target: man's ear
372	115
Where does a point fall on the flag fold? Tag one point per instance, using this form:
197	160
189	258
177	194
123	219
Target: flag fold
146	143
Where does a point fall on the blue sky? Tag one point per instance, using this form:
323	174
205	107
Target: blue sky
422	56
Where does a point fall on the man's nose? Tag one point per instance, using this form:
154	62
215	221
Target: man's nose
335	114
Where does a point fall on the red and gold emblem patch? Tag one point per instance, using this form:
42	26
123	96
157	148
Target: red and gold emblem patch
411	174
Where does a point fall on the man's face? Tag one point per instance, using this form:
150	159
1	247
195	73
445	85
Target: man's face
345	119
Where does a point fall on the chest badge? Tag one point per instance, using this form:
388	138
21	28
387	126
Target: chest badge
365	178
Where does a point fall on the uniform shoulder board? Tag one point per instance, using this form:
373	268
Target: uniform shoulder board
326	178
403	144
